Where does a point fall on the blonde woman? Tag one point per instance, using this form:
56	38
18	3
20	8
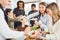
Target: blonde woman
54	30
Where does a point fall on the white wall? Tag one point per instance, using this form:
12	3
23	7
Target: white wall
48	1
28	7
58	2
29	0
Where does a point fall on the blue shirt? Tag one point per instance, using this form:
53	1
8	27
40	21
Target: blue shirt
45	21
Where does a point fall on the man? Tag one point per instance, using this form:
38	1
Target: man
5	31
33	9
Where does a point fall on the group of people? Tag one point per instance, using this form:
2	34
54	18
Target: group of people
15	25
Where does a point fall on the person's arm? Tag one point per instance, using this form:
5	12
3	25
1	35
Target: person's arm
4	28
29	13
32	15
42	25
51	37
14	11
10	18
14	19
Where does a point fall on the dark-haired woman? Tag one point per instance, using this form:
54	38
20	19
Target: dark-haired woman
19	11
45	20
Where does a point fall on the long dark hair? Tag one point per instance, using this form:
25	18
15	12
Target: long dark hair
42	3
20	2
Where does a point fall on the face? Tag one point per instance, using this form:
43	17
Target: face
49	12
42	8
10	14
33	8
6	2
20	5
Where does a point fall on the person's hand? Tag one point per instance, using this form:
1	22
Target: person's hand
37	23
47	32
27	30
23	19
34	19
14	15
44	38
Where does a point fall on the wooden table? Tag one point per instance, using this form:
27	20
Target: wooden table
30	38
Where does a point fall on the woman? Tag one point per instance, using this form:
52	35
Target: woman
19	11
54	30
5	31
55	11
45	20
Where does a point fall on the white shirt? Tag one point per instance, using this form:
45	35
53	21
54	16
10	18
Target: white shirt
54	31
32	15
48	2
6	32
